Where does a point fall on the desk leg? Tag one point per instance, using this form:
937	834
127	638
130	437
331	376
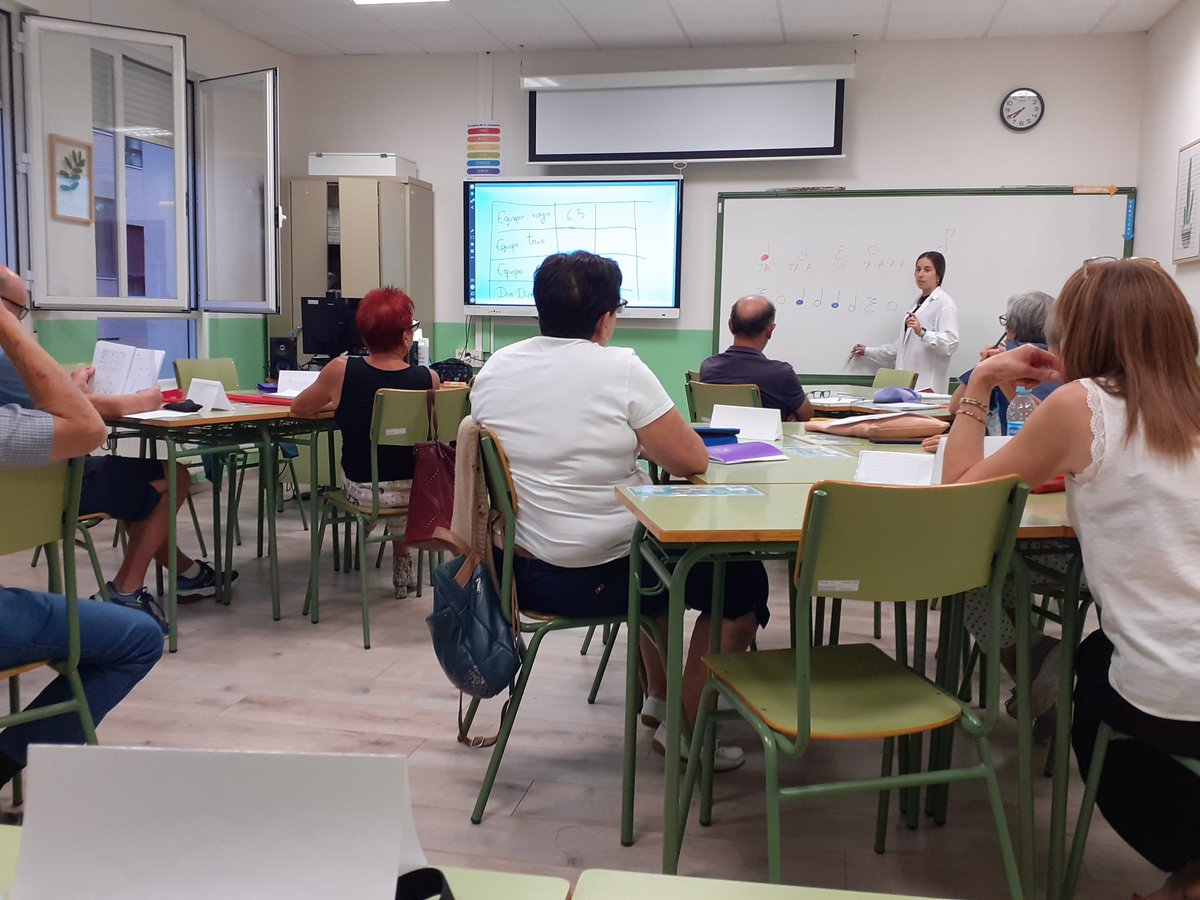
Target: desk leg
270	453
632	687
231	507
1023	609
1062	734
672	819
172	547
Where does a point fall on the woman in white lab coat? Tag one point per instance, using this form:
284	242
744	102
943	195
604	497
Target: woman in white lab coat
930	334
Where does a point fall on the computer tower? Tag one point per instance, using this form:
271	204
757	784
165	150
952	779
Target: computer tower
283	354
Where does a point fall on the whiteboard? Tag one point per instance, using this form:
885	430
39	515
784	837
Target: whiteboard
839	265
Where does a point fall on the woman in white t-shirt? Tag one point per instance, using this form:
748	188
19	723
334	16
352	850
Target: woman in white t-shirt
571	414
1126	431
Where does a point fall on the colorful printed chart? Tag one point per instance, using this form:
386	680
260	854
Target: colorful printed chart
483	149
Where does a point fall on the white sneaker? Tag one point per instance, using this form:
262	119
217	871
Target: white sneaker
725	759
654	712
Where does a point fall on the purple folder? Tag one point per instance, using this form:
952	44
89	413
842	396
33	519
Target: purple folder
750	451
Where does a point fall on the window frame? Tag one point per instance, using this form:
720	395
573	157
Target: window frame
33	28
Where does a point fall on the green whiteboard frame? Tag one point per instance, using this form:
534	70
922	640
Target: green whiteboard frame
1130	193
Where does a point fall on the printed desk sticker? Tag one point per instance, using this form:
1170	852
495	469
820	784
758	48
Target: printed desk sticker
695	490
807	451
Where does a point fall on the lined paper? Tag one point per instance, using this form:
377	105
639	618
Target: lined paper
877	467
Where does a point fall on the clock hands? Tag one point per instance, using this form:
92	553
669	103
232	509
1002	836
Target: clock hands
1013	115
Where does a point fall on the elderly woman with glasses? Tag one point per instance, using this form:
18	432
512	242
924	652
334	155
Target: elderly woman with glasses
1125	429
572	414
1024	322
346	387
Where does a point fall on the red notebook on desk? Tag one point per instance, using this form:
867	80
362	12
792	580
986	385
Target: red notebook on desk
261	398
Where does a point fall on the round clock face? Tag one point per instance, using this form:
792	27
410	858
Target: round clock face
1022	109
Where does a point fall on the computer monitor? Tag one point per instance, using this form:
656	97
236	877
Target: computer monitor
328	327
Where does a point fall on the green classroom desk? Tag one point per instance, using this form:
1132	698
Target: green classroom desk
769	524
467	884
605	884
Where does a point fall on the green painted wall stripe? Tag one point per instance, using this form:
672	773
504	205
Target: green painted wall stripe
668	352
68	340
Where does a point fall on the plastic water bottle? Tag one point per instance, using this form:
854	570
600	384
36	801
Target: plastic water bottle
1020	409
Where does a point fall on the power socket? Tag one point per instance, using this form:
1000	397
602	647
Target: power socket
463	354
471	357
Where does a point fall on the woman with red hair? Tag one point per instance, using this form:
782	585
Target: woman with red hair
346	387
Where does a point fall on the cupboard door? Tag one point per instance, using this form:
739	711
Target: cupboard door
358	199
309	239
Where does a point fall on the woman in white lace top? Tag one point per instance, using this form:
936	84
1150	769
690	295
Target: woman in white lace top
1125	430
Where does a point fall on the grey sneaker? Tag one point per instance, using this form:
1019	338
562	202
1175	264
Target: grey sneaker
141	601
189	590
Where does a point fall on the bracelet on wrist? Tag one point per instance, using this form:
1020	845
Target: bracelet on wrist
970	415
971	401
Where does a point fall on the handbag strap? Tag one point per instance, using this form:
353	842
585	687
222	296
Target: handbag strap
423	884
431	401
464	727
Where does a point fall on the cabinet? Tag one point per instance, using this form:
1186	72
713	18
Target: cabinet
353	234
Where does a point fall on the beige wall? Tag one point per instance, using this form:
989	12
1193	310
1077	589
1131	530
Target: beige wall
1171	119
918	114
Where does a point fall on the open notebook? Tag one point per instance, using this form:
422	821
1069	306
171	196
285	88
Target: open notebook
146	823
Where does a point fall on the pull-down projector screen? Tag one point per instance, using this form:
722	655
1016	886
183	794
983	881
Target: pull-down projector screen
509	227
687	122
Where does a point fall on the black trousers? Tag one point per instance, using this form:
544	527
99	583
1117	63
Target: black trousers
1150	800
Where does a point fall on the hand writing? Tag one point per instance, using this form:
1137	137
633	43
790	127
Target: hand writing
858	349
150	398
915	324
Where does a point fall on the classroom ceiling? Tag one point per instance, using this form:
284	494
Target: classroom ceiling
337	27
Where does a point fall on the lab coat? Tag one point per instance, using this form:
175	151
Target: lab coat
927	355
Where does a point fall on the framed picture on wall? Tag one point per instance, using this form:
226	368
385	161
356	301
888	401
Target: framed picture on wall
1185	237
70	164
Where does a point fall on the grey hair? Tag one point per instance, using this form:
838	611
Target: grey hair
1027	316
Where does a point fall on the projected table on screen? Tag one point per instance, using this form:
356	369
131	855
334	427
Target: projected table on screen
510	227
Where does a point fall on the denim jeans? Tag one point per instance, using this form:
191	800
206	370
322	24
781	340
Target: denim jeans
118	646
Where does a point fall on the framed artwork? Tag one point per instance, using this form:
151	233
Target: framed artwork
70	166
1185	237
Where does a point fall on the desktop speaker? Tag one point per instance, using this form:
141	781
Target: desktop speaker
283	354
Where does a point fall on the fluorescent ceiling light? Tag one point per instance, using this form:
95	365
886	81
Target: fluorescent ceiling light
393	2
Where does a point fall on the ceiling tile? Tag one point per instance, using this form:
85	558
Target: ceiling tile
290	5
1134	16
568	37
701	10
531	14
474	40
254	21
376	42
629	17
835	28
832	9
713	32
323	21
615	37
298	44
1019	20
422	17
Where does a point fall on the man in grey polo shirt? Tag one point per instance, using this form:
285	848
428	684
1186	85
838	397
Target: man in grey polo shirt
752	322
118	646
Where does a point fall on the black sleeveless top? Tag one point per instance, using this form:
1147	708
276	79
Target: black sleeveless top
353	417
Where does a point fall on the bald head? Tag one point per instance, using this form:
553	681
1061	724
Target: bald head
751	319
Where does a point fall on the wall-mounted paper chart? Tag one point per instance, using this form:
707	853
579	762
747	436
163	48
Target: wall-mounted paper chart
483	149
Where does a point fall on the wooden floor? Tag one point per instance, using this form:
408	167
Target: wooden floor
243	681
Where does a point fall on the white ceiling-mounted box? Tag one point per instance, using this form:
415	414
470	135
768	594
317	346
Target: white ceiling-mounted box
373	165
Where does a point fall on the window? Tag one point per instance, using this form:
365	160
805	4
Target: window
110	169
106	128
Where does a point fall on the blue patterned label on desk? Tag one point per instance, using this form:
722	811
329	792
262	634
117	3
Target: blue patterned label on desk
695	490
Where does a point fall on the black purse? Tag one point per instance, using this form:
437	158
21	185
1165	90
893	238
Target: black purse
423	884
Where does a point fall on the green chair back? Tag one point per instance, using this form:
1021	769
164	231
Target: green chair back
894	378
47	498
705	396
36	497
852	537
453	404
688	377
503	500
222	369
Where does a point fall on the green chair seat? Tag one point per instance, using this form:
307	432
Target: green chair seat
858	692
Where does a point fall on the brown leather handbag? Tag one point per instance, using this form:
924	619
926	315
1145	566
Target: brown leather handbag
431	503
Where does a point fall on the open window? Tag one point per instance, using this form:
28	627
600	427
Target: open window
109	174
238	189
